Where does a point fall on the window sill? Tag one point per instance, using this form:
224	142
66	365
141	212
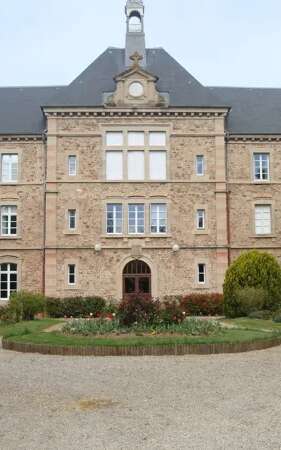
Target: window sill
136	236
263	236
201	233
72	233
261	182
9	238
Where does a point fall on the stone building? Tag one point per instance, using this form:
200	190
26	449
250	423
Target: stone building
135	177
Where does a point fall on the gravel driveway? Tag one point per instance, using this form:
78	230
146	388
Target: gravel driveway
192	402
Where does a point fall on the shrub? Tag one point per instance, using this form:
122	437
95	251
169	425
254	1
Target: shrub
250	299
171	312
54	307
139	309
7	314
277	316
261	315
75	307
202	304
25	305
252	269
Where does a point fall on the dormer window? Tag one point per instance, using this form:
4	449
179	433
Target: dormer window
136	89
135	25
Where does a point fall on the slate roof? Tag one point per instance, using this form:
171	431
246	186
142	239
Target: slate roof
254	111
20	109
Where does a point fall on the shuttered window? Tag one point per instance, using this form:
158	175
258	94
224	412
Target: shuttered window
135	165
263	219
114	166
157	165
9	168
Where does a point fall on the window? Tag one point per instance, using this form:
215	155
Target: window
72	219
136	138
158	219
200	165
201	273
136	219
114	219
135	165
157	139
9	164
71	274
263	219
136	156
114	138
8	280
72	166
8	220
157	165
200	219
114	165
261	166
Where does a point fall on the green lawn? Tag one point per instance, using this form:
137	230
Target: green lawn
248	330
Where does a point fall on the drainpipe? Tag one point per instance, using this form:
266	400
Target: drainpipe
44	136
227	204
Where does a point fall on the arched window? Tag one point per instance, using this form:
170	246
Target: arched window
135	25
8	280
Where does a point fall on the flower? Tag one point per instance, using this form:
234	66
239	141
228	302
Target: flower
184	313
91	314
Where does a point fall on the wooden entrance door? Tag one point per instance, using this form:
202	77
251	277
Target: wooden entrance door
136	279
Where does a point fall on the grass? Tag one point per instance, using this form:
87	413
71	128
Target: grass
248	330
23	328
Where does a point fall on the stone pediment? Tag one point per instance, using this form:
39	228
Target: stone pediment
136	87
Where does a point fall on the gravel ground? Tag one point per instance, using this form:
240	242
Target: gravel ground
192	402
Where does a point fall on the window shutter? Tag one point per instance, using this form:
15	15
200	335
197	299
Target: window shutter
5	168
263	219
136	165
14	167
114	165
157	165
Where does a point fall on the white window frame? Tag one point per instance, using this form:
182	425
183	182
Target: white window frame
201	214
201	272
158	218
259	177
137	218
72	216
257	226
202	164
8	273
71	272
115	219
72	165
11	178
11	212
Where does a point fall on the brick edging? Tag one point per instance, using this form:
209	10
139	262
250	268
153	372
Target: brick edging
148	350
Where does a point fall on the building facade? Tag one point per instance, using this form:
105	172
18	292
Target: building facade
135	178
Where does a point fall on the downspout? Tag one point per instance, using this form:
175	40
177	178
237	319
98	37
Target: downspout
227	204
44	136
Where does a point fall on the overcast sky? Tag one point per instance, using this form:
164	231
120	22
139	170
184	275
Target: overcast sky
221	42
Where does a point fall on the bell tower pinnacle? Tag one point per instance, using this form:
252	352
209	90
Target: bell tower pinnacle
135	37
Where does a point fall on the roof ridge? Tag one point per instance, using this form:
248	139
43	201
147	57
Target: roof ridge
33	87
245	87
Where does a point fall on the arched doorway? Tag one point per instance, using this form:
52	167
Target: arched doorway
136	279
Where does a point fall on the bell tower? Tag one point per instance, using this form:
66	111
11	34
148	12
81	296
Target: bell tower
135	37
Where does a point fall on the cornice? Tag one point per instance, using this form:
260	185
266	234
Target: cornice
21	138
86	113
237	139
